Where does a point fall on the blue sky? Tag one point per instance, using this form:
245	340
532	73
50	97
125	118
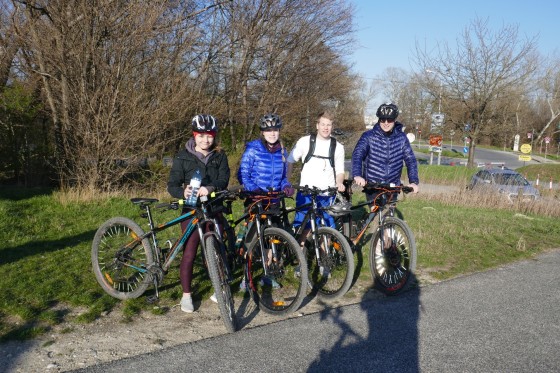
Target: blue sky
387	31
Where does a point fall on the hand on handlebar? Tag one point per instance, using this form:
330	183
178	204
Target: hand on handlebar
340	187
360	181
414	187
288	191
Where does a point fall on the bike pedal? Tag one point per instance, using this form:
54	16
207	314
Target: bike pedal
152	299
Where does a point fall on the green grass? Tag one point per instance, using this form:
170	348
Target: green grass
46	244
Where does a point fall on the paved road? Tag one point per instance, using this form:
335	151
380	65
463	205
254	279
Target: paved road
485	156
504	320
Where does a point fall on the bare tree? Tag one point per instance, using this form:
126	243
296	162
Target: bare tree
483	66
549	87
8	42
115	77
119	78
281	56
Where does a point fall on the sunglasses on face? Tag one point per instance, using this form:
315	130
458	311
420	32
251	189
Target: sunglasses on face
386	120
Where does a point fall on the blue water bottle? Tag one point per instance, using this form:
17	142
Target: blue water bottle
195	185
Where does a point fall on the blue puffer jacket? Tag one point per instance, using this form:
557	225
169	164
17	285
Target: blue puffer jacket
261	169
379	158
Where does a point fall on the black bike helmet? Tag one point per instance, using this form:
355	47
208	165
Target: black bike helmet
339	209
270	121
204	123
388	111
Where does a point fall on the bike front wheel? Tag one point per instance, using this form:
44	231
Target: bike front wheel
393	265
121	259
218	276
276	271
331	274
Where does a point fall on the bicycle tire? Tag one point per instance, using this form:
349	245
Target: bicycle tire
229	238
289	296
334	277
216	270
392	270
120	261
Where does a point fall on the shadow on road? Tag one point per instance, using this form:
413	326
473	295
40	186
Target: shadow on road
388	341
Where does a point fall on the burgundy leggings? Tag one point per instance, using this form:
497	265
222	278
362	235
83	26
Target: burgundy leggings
187	261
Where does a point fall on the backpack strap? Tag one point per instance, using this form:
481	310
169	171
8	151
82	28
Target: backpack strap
312	141
332	149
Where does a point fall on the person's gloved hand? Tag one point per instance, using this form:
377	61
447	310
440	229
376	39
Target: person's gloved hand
289	191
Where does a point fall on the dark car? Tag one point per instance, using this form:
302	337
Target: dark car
506	182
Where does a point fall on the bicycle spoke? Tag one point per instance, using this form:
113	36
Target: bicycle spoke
272	279
120	260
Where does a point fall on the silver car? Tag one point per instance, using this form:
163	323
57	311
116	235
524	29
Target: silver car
507	182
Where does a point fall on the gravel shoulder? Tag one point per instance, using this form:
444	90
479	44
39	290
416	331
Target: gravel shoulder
71	346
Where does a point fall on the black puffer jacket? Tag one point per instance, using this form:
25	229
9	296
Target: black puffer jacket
215	172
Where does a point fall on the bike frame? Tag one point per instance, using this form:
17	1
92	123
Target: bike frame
199	219
310	217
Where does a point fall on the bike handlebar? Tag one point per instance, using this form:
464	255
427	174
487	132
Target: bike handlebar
305	189
262	194
386	187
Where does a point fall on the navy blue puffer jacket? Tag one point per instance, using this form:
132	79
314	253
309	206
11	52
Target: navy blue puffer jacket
379	158
261	169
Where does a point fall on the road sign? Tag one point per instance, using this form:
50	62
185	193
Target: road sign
436	149
465	150
435	140
526	148
547	140
525	158
529	135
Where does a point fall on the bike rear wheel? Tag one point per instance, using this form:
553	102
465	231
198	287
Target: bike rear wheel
393	267
120	259
332	277
218	276
279	290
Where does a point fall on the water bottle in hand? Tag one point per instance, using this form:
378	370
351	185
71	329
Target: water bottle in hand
195	185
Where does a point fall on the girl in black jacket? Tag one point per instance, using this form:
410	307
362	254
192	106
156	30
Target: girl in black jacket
201	153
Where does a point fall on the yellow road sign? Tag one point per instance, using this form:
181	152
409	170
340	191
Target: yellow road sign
525	148
525	158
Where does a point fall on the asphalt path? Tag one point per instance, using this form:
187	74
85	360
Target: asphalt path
502	320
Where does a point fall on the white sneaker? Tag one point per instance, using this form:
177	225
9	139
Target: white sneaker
213	298
186	304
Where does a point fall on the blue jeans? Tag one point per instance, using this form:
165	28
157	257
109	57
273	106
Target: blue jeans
322	201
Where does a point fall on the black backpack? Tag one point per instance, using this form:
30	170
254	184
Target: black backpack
332	148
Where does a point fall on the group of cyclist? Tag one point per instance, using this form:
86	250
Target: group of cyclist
266	164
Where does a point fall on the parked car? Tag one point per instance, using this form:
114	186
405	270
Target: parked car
506	182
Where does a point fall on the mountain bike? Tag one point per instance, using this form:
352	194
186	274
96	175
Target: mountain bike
329	256
126	260
270	255
392	255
